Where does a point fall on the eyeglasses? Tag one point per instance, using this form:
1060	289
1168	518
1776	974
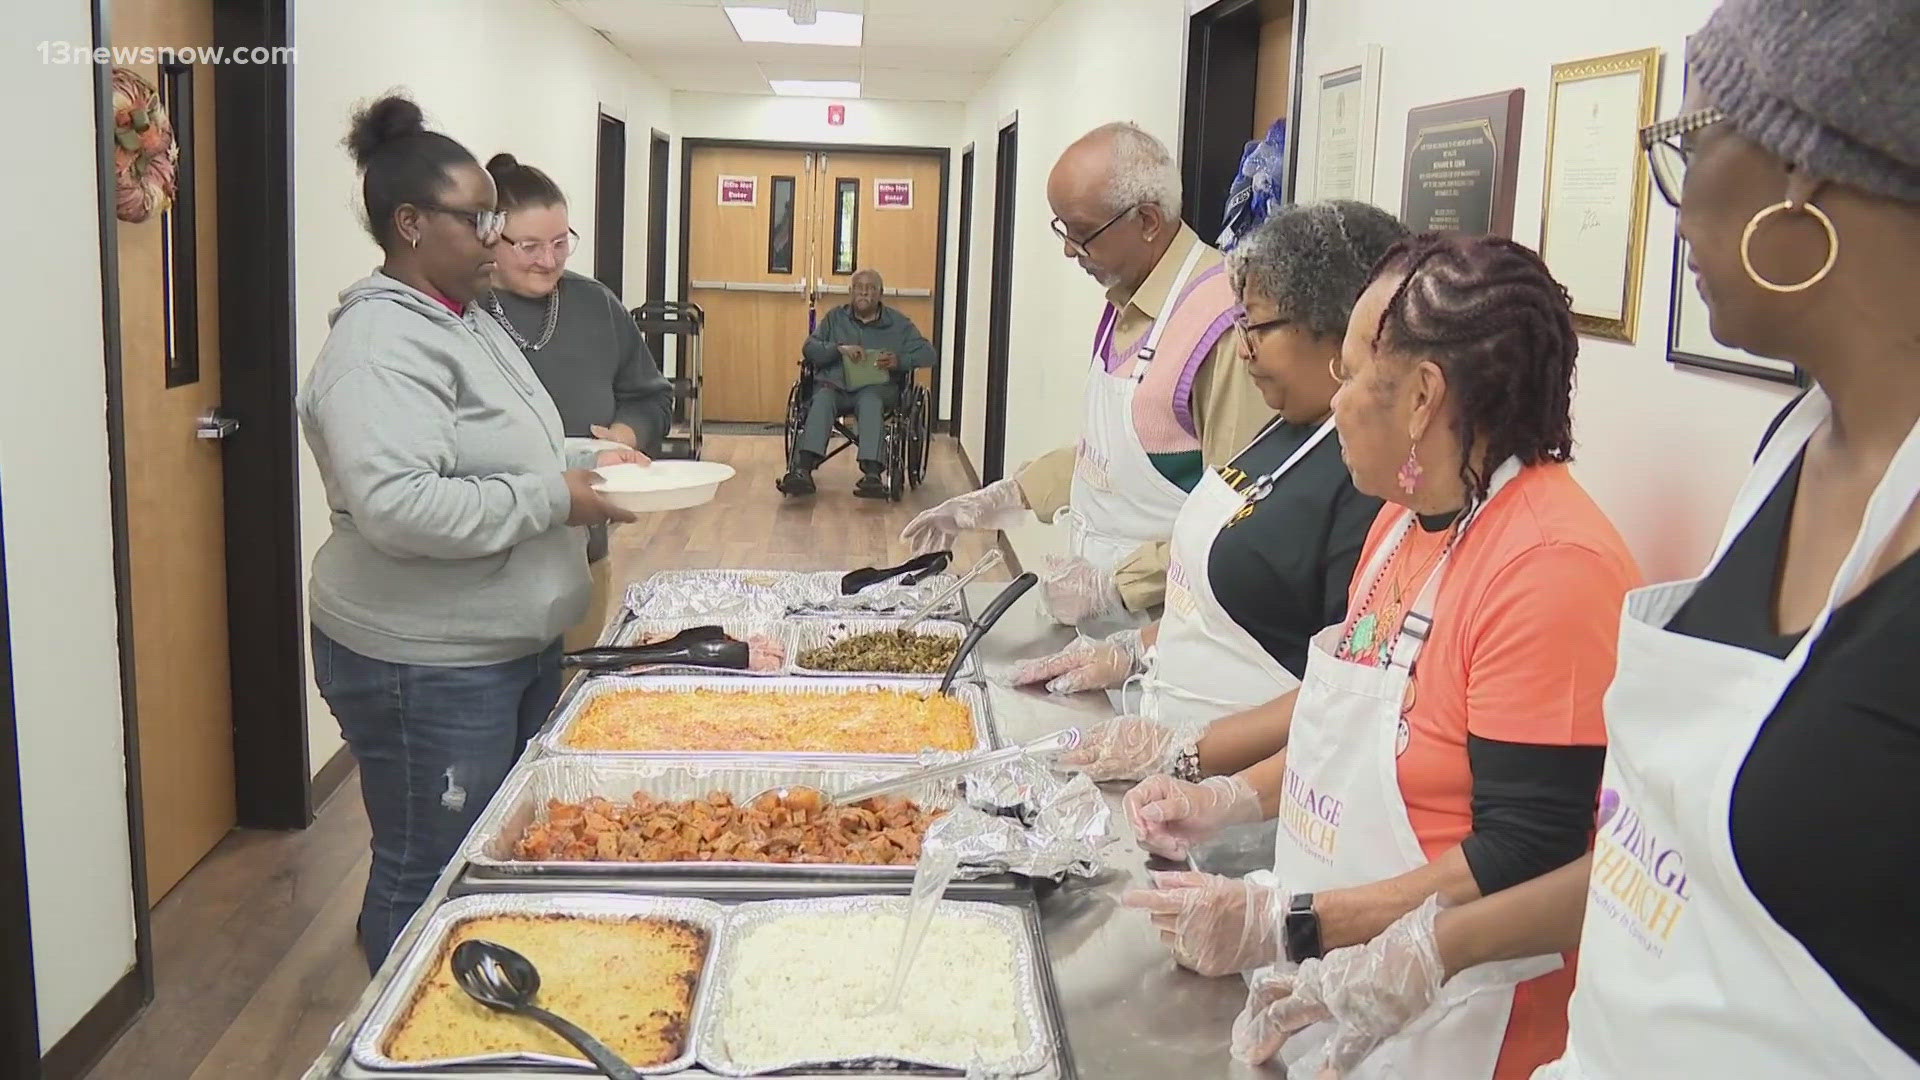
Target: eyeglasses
1079	245
533	249
1668	149
487	224
1249	329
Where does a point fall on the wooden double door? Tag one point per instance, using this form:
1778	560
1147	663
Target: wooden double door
774	236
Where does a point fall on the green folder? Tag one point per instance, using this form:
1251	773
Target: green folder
863	372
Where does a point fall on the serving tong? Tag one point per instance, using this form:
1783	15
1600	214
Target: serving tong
696	646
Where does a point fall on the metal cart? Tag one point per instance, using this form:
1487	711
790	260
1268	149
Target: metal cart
685	322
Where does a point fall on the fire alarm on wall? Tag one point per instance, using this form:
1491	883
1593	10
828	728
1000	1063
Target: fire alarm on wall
836	115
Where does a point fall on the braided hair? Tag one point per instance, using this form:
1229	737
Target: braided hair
1491	315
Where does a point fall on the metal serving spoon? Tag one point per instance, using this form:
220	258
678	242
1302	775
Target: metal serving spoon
503	980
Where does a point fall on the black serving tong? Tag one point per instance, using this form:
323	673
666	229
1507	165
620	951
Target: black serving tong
978	629
697	646
919	567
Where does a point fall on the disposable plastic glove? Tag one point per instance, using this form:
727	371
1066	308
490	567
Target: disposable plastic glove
1124	748
1084	665
1076	591
1215	925
999	505
1170	816
1369	991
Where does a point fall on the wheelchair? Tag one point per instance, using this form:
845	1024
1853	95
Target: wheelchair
907	428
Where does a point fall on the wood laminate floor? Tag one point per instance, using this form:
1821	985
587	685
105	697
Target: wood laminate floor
254	955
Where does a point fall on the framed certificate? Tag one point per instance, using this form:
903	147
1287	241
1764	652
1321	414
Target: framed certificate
1593	227
1349	109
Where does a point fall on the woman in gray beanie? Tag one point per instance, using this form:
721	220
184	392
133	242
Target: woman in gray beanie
1747	910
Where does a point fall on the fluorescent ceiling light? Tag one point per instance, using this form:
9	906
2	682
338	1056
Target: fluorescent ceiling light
757	24
814	88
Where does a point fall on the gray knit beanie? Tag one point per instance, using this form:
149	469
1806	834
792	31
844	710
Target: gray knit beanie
1832	86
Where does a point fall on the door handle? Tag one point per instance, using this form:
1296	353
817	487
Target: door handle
215	426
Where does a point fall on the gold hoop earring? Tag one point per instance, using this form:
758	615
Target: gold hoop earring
1753	226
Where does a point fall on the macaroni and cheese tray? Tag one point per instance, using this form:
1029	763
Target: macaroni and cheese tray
796	718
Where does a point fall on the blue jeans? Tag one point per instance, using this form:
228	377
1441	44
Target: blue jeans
433	744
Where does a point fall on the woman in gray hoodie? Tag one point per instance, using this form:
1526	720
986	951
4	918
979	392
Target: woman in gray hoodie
455	561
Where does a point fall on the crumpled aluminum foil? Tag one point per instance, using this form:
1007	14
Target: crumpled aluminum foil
1024	818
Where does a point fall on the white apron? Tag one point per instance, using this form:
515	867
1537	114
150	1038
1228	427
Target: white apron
1343	823
1119	500
1682	970
1205	665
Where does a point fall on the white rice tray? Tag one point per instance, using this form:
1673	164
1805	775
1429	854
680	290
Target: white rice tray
795	982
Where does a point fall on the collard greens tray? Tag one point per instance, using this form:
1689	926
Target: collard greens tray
553	739
522	801
369	1043
804	635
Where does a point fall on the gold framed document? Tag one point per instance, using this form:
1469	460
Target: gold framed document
1593	226
1349	108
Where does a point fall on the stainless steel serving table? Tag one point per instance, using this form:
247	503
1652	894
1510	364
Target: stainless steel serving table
1130	1013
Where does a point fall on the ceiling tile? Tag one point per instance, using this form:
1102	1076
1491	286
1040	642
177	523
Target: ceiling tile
714	78
907	85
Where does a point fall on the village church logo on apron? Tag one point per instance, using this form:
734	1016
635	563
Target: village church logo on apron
1311	817
1180	590
1091	466
1639	878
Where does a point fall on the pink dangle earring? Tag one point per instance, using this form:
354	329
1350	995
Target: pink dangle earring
1411	472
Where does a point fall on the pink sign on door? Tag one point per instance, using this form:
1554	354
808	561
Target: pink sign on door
739	190
893	194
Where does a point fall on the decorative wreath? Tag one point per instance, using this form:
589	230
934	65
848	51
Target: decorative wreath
144	151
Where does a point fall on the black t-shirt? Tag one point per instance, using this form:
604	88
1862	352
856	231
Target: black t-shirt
1826	807
1281	572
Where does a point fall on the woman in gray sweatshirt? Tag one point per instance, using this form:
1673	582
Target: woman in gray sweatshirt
455	561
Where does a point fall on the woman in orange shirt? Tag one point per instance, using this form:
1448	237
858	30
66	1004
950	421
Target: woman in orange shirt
1447	737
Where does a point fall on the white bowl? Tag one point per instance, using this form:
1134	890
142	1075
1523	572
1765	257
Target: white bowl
663	485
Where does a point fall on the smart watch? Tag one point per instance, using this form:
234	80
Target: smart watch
1302	928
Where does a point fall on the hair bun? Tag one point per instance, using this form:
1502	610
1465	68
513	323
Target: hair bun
500	163
388	120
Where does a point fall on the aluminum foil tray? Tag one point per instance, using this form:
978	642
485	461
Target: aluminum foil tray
749	595
1035	1055
807	634
522	801
553	740
635	631
819	594
370	1041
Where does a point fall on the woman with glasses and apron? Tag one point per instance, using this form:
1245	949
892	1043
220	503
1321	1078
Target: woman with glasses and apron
1447	735
1747	910
1264	548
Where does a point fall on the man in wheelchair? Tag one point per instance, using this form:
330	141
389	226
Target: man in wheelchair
858	357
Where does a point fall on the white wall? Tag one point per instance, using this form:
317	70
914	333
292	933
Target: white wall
513	75
60	590
1090	62
1662	448
767	118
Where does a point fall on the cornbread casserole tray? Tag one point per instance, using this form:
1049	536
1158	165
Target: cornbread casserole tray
522	801
583	693
390	1011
